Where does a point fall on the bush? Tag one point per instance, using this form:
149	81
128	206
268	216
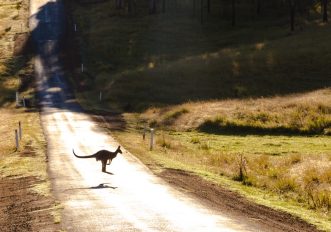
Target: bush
172	116
285	184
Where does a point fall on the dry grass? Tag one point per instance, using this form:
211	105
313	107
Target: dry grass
29	159
16	74
281	164
305	113
13	20
295	168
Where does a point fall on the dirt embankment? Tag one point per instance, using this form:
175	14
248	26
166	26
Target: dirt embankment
23	210
232	203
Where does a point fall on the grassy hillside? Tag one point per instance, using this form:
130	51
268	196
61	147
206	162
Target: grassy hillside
216	93
170	58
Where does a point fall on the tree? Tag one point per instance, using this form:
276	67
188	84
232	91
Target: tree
163	6
152	6
201	13
258	7
292	13
119	4
325	10
130	6
233	13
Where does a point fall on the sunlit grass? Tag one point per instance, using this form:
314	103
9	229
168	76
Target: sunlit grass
271	160
29	159
308	113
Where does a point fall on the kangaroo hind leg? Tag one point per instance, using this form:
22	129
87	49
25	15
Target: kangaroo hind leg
104	162
109	161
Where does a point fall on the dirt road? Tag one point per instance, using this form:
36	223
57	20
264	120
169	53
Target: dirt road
126	198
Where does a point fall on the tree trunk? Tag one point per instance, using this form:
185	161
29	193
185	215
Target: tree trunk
152	6
130	6
194	7
325	10
119	4
233	13
258	7
201	12
208	6
163	6
292	13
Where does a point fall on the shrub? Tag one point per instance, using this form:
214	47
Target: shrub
7	29
326	176
285	184
204	146
242	172
294	159
310	177
153	124
163	142
318	198
172	116
195	140
273	173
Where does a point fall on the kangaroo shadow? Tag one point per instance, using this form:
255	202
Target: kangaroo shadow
100	186
110	173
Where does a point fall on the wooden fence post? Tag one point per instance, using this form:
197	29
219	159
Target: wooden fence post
152	140
23	100
20	130
144	133
16	140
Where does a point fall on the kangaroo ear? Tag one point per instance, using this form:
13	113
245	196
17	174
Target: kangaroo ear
119	147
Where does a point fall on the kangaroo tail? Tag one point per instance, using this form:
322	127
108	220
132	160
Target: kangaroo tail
78	156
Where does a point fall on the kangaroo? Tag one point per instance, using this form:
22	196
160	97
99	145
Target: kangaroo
102	155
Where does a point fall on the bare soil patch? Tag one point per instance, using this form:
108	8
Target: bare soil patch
23	210
232	203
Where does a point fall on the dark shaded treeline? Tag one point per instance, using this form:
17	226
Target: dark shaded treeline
233	10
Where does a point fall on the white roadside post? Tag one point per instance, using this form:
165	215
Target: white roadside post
144	133
20	130
75	27
100	96
17	99
23	100
82	67
152	139
16	140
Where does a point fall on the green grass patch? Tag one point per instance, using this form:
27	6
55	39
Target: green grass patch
276	169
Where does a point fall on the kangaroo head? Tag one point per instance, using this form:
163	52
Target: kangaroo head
118	150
